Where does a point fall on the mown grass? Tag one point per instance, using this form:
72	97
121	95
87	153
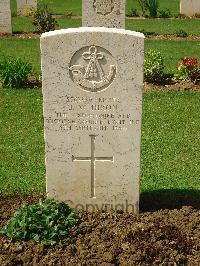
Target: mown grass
171	121
58	6
158	26
172	5
173	51
29	49
75	6
165	26
21	142
170	141
24	24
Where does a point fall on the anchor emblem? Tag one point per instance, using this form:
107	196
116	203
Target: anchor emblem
90	75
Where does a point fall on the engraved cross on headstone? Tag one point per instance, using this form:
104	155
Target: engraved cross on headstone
93	159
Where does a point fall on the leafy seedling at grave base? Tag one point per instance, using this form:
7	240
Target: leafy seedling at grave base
142	6
43	19
152	7
166	13
46	222
181	33
147	33
153	66
132	13
14	72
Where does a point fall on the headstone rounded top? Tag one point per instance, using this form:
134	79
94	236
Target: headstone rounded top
92	29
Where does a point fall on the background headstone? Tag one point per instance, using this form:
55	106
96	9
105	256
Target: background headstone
190	7
92	93
5	17
26	7
103	13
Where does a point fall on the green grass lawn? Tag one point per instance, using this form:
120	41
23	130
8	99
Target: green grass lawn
171	121
23	24
174	50
29	49
165	26
21	143
172	5
159	26
74	6
170	141
58	6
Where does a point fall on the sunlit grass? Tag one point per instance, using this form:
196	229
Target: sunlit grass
170	141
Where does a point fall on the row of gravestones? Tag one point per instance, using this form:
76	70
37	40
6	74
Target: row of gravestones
23	6
187	7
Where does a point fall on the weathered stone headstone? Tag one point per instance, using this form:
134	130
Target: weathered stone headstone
103	13
26	7
190	7
92	92
5	17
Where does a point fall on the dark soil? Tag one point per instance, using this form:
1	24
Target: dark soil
162	237
179	86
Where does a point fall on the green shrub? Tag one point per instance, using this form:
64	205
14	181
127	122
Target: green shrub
181	33
43	19
153	66
46	222
188	70
14	72
166	13
152	7
133	13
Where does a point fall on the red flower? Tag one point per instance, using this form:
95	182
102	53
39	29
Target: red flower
189	62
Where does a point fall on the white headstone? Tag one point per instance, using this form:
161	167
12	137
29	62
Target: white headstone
92	93
190	7
5	17
103	13
25	7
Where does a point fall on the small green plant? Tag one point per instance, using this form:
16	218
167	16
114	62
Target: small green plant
181	33
188	70
152	7
153	66
147	33
43	19
14	72
141	3
46	222
166	13
133	13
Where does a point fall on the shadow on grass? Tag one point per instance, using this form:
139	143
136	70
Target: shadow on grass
169	199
